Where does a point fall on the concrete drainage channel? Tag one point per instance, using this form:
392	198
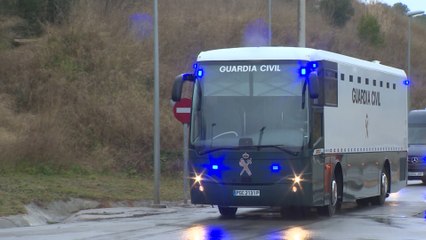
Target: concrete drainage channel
76	209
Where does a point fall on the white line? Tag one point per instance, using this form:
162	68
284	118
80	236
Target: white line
183	110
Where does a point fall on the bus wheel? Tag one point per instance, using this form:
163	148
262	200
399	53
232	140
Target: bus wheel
227	212
330	209
384	184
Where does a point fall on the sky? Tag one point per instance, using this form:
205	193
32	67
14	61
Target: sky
413	5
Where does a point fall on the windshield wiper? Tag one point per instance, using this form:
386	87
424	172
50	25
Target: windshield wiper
217	149
260	136
211	142
280	147
303	93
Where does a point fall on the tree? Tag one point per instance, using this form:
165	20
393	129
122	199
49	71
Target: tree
36	13
400	8
337	12
8	7
369	30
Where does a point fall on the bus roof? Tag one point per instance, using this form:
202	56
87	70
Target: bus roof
291	53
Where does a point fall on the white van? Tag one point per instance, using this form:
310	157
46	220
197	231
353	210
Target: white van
417	145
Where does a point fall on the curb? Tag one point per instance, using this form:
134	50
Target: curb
76	209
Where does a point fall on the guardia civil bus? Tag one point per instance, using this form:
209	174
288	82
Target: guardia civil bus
294	127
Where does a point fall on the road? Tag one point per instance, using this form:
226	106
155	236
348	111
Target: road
402	217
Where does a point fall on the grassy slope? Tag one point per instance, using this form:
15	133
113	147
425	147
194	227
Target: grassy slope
16	189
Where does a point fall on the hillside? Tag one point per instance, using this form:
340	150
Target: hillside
80	96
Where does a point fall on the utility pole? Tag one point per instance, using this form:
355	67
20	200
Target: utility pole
270	22
302	23
410	15
156	111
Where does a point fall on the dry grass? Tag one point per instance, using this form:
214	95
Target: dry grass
83	93
16	190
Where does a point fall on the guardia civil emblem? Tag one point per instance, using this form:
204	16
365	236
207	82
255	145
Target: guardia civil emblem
245	161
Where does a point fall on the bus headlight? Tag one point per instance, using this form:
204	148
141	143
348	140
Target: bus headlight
297	179
198	179
197	182
296	186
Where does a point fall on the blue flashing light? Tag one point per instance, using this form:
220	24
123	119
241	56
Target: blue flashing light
312	66
275	167
303	71
195	66
200	73
407	82
215	167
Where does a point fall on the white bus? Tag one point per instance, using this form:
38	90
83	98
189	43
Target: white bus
294	127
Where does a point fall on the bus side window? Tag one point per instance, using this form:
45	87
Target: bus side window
330	88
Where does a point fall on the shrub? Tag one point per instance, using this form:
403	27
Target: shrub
337	12
369	30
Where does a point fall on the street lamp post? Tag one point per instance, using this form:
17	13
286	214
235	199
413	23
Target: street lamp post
411	15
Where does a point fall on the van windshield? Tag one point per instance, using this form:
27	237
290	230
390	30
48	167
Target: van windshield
417	134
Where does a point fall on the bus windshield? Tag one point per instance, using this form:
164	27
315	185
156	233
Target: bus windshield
249	104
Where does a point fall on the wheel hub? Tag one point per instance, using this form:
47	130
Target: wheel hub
384	183
333	192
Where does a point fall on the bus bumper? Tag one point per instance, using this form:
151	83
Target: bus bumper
280	194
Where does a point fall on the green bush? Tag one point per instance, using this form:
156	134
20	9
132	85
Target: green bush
337	12
369	30
36	13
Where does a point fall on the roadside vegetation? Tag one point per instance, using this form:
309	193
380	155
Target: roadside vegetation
18	189
76	82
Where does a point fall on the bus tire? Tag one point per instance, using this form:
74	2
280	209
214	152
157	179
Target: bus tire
227	212
384	188
335	198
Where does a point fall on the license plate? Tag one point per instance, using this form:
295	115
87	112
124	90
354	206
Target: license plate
247	193
415	174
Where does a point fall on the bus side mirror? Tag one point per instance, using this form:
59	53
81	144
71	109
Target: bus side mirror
313	85
178	84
